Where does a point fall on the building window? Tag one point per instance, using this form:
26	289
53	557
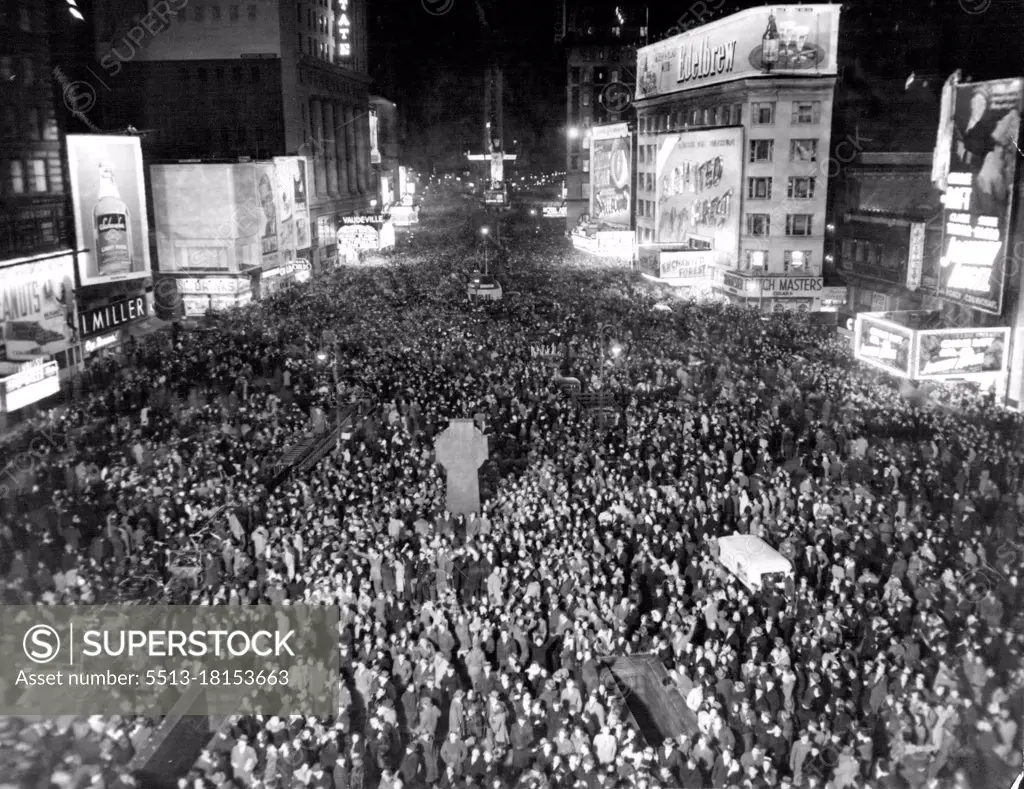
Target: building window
574	162
254	74
215	13
184	74
759	188
643	154
6	68
846	246
32	128
252	13
806	112
586	98
736	115
758	224
798	224
574	75
233	13
219	72
797	260
25	19
761	150
201	74
803	150
38	175
756	259
28	71
236	73
197	13
10	128
801	188
16	177
762	113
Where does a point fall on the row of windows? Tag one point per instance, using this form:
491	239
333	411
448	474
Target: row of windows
796	224
792	260
763	151
28	124
598	76
854	251
199	13
316	23
721	115
319	49
797	188
30	177
237	74
29	229
762	113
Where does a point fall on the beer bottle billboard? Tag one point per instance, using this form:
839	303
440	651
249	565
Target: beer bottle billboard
112	222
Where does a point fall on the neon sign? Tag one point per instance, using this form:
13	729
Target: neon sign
344	31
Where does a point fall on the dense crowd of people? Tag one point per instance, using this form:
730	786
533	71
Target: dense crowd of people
476	651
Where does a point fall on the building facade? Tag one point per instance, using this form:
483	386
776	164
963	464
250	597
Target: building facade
38	345
267	78
732	157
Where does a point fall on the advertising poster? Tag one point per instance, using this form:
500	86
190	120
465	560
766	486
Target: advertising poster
263	175
806	38
952	353
690	267
979	194
698	188
108	192
37	307
285	182
31	384
915	256
883	344
299	172
611	176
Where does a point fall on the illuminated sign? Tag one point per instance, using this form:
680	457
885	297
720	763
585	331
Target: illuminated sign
366	219
956	353
915	256
883	344
30	385
698	188
834	296
118	314
611	176
684	265
324	231
98	343
731	48
208	285
979	192
37	304
374	135
781	287
553	211
344	31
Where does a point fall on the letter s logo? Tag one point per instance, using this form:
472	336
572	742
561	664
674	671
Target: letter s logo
41	643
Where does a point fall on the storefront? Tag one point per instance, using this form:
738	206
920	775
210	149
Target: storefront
357	234
771	294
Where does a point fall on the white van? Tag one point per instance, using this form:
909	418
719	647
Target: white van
753	561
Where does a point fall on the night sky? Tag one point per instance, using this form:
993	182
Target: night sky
430	55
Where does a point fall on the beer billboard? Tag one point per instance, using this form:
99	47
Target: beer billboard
961	353
804	39
699	177
883	344
979	193
611	176
108	193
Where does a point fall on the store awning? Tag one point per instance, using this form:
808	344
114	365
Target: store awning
902	195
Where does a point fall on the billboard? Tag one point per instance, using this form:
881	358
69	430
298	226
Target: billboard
30	385
692	267
698	189
883	344
806	37
291	203
108	192
263	185
611	176
979	193
958	353
37	307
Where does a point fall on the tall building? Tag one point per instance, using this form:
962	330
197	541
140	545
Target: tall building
37	257
734	129
216	80
600	44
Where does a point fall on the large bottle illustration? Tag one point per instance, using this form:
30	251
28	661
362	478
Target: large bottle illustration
113	227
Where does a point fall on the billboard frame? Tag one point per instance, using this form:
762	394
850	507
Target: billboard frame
922	334
875	317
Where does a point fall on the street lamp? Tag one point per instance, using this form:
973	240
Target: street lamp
573	132
770	45
484	232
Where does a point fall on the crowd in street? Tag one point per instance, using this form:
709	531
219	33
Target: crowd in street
476	651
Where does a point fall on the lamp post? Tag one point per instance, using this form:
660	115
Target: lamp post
485	231
770	45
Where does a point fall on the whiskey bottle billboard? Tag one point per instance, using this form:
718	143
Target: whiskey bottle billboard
108	191
112	221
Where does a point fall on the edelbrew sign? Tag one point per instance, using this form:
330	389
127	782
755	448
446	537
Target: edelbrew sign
700	60
112	316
